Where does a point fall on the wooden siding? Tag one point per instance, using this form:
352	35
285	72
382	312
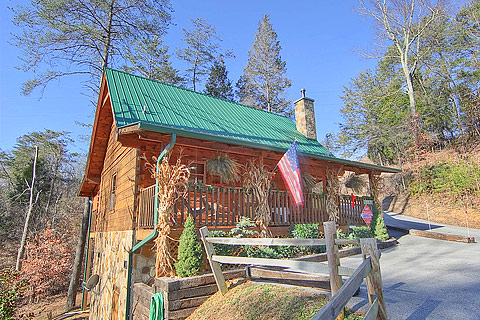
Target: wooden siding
193	150
122	162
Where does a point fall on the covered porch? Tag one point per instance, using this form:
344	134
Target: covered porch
217	206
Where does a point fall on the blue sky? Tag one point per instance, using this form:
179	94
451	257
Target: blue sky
320	40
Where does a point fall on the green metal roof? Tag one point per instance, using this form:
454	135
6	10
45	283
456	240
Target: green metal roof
160	107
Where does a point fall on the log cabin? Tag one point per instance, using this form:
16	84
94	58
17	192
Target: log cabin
136	119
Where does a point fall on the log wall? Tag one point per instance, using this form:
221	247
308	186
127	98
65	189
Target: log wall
121	162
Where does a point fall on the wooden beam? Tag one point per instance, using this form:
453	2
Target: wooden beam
372	311
441	236
93	179
267	241
374	279
106	99
338	301
215	266
294	265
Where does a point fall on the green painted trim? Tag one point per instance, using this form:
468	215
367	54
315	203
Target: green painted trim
152	235
212	137
86	252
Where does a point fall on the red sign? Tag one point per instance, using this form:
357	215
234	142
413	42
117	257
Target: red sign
367	215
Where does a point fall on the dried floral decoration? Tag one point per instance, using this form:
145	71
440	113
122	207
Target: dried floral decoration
172	183
224	167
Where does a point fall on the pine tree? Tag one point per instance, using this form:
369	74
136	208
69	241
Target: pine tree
202	48
218	84
378	227
190	254
264	79
150	58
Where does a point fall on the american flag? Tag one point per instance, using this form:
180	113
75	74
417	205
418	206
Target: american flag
290	171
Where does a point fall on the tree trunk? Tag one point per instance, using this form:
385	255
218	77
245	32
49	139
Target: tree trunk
194	78
78	262
108	36
410	89
21	250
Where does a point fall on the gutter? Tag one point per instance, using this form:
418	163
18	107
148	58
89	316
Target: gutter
152	235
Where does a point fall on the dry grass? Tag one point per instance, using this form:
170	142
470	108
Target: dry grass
442	213
246	300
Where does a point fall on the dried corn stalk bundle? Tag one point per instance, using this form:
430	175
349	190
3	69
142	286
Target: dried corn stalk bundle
258	180
376	184
332	194
172	183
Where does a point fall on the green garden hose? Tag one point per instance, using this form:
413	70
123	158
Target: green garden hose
156	307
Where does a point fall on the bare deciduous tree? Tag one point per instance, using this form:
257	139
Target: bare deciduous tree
404	22
21	250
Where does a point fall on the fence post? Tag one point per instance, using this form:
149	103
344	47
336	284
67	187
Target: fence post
330	229
374	278
216	268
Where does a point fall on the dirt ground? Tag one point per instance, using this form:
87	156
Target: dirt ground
52	307
443	214
8	253
442	208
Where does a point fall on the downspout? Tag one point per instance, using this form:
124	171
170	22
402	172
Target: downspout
88	249
152	235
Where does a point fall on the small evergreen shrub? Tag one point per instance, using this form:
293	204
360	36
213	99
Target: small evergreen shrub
355	233
263	252
242	230
221	249
307	231
361	232
190	254
377	226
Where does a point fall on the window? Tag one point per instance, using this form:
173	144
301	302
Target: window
112	191
198	172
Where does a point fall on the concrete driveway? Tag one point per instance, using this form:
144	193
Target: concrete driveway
427	278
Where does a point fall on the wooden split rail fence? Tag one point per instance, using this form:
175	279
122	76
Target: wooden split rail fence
341	293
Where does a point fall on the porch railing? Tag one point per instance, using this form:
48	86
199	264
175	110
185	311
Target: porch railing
224	206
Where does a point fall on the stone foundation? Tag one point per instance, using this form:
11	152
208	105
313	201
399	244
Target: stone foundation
110	262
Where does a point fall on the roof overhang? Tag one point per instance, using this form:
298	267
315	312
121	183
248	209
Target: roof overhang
349	164
98	142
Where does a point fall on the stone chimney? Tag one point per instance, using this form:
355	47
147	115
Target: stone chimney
305	116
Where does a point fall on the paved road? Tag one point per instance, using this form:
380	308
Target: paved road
427	278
